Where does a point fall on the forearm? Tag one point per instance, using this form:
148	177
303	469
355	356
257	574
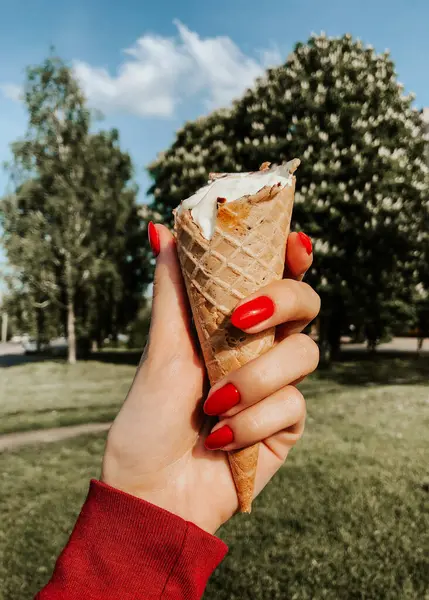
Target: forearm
124	548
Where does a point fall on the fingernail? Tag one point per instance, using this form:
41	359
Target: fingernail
253	312
222	400
306	242
153	238
219	438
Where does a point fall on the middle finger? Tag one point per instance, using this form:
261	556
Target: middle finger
287	301
293	358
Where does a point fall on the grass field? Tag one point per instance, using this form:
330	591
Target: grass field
346	518
51	394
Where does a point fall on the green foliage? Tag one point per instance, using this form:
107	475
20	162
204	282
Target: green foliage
139	329
362	186
72	230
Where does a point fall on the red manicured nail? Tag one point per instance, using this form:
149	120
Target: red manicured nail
253	312
153	238
306	242
219	438
222	400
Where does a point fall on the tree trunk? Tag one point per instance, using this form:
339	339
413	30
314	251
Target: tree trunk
39	326
330	327
324	348
334	336
71	330
371	337
420	342
372	346
4	327
71	333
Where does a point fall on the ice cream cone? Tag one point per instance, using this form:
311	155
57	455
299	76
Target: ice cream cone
246	252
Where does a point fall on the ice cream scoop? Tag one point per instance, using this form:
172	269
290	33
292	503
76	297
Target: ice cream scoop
228	187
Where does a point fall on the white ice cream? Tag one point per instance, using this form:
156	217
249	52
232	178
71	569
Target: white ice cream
232	186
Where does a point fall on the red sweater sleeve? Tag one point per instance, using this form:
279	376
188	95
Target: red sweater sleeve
124	548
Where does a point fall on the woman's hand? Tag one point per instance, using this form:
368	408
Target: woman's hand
162	446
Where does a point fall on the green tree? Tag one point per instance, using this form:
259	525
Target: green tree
362	185
72	228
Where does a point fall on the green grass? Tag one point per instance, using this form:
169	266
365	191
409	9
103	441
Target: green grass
53	394
346	518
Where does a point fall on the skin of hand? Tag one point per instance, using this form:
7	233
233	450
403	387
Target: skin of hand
155	449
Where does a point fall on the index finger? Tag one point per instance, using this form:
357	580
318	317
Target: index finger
299	256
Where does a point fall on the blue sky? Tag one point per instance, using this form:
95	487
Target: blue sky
152	65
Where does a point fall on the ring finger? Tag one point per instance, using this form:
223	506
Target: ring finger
282	411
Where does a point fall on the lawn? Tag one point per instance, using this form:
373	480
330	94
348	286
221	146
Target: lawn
52	393
41	394
346	518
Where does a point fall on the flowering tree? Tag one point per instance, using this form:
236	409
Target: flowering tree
362	186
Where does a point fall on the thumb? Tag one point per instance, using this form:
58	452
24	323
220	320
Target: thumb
171	318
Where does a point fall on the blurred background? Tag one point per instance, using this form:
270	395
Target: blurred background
110	115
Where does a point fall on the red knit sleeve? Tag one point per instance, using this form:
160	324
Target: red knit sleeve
124	548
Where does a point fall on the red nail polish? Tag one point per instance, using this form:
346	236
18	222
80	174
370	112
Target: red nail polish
253	312
306	242
222	400
153	238
219	438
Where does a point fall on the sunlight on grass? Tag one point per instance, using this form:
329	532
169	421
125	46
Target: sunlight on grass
52	394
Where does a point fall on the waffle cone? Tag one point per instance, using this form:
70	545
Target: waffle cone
246	252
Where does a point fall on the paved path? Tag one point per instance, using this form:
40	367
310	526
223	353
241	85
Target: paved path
10	441
397	344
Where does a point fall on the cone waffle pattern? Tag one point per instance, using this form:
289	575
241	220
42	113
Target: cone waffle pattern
246	252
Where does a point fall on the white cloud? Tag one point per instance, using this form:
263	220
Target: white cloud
12	91
160	72
145	83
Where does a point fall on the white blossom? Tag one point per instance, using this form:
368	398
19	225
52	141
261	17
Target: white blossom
367	138
321	247
383	151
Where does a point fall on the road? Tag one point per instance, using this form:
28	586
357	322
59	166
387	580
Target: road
13	354
11	441
8	348
399	344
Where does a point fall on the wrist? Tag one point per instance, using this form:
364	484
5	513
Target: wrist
172	501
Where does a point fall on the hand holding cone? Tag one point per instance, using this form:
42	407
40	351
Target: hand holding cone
246	252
